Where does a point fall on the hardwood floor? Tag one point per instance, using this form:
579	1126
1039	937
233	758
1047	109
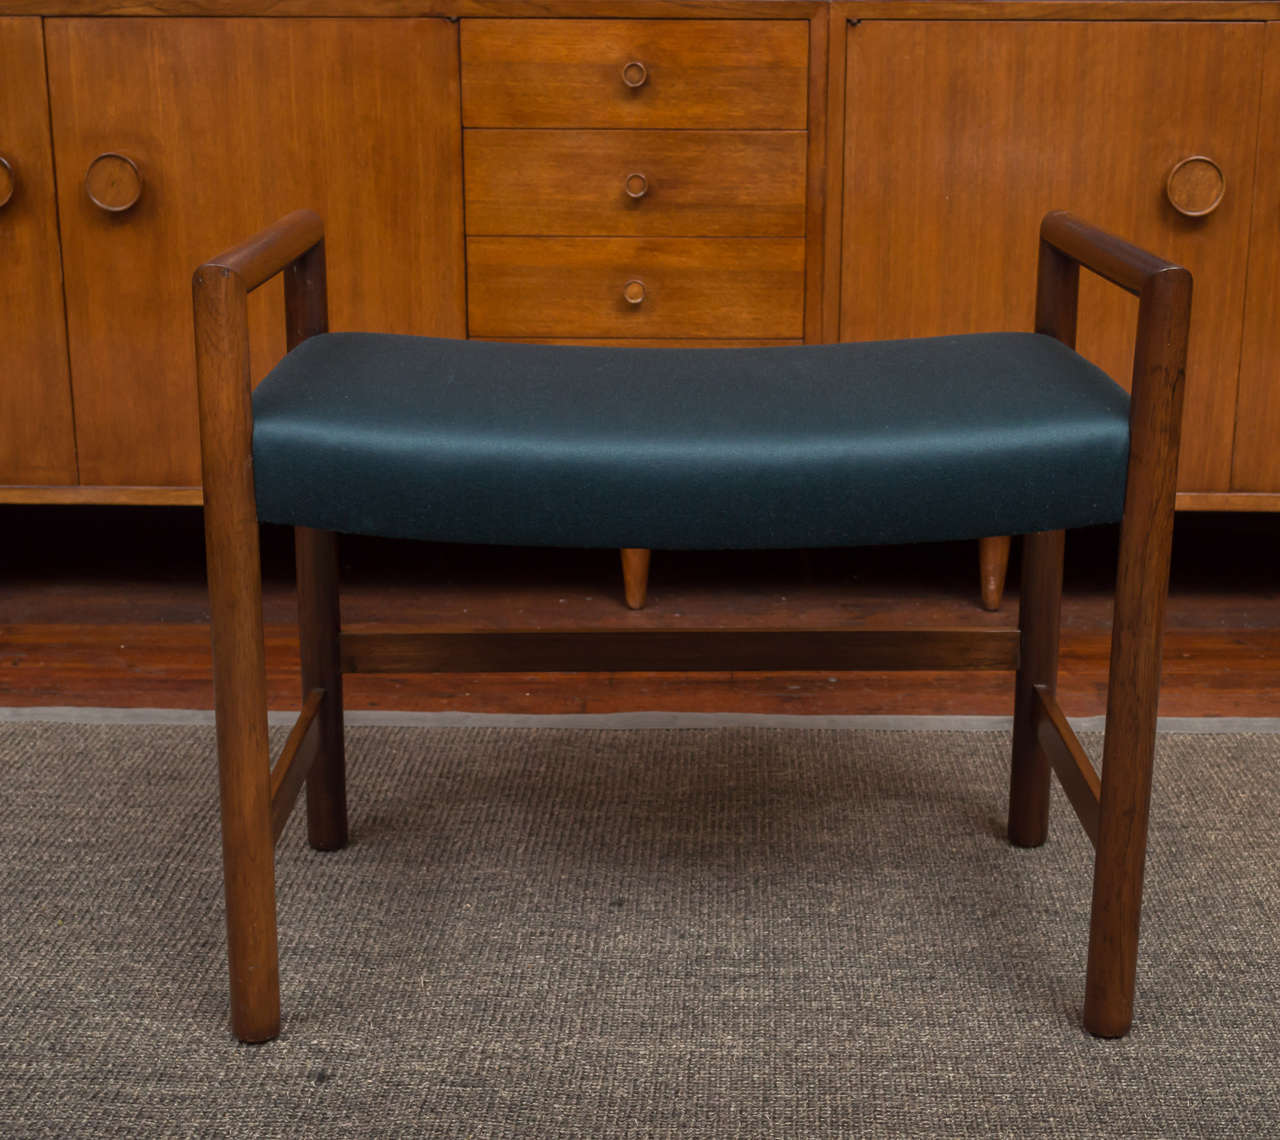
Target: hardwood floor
106	606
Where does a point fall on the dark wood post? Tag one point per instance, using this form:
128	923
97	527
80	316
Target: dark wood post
239	656
316	557
1040	603
1142	581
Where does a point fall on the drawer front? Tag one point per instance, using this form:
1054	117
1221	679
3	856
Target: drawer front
746	74
705	183
725	288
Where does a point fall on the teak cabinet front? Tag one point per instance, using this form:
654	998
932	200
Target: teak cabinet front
219	126
961	134
37	445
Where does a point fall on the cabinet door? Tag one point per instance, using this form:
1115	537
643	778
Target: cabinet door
231	123
37	444
1257	452
961	135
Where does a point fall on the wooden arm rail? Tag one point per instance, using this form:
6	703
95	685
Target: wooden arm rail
259	258
1142	579
254	807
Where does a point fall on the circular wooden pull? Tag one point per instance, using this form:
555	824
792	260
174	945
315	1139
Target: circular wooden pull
1195	186
635	74
113	182
633	292
636	186
8	181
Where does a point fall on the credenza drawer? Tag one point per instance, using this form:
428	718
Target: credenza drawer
635	287
749	74
701	183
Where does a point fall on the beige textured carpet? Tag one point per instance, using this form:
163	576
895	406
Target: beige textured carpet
682	933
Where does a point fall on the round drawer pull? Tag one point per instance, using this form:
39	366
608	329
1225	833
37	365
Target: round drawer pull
113	182
8	181
1195	186
633	292
635	74
636	186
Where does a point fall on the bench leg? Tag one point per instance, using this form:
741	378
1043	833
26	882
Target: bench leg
244	767
316	554
993	564
1127	758
1040	608
239	653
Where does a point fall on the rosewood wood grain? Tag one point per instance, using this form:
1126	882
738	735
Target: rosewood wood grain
297	760
584	183
530	651
1142	581
251	815
694	287
961	134
708	74
316	561
37	439
1075	771
226	145
239	663
1039	618
1217	663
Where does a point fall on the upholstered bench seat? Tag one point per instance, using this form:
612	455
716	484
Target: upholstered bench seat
837	445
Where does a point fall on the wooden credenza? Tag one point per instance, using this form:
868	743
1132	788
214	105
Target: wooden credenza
643	171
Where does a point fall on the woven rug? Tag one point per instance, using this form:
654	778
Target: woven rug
682	933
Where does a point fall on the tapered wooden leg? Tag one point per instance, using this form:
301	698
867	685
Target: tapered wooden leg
316	552
635	576
244	766
1040	607
993	565
239	656
1142	584
1127	758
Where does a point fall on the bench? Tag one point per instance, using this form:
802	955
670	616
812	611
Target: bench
814	446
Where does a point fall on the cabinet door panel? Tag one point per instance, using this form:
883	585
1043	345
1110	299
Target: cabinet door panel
232	123
37	444
1257	451
961	135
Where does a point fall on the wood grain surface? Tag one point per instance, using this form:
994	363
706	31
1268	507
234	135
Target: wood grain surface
37	440
233	123
744	74
700	183
1256	464
693	287
960	135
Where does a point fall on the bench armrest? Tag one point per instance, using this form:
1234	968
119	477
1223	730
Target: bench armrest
259	258
1160	352
293	246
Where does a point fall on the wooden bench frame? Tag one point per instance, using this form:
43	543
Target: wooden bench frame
258	797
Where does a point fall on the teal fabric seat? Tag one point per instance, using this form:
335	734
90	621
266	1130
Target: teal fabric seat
815	446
